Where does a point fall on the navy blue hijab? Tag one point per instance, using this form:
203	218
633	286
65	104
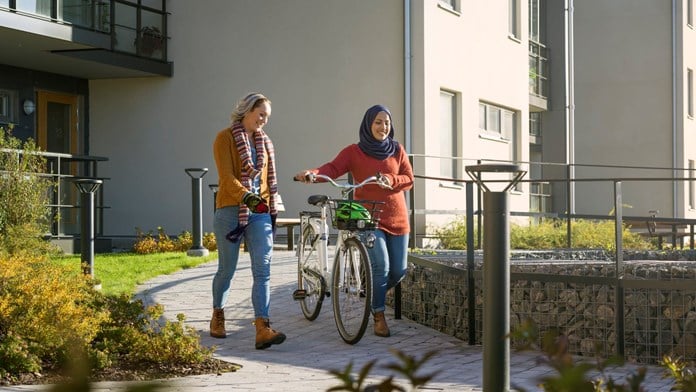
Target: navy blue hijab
371	146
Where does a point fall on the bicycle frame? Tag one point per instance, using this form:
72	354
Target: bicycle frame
348	278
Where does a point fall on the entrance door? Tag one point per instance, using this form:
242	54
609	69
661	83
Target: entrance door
58	132
58	123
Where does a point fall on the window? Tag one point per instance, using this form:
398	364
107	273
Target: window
690	92
514	18
535	124
692	186
690	12
8	106
535	20
448	135
497	120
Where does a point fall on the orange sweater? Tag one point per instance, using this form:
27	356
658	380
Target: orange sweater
394	217
229	167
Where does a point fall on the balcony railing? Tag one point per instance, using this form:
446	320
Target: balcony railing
538	69
64	197
134	28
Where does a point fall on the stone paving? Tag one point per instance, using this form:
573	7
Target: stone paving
303	361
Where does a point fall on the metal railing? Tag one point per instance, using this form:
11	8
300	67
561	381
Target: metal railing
134	28
628	308
62	170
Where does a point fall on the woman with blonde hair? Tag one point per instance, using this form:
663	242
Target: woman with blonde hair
245	208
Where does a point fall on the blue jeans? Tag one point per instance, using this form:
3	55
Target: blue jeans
388	259
259	240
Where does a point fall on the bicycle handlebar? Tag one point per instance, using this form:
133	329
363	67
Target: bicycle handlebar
346	188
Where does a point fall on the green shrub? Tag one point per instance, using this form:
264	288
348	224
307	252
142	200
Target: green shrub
45	311
24	196
550	234
147	243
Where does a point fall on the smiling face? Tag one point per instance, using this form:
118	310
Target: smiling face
256	118
381	126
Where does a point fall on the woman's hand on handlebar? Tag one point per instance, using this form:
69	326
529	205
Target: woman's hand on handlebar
304	176
383	181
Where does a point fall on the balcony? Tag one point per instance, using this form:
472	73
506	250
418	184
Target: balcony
538	76
90	39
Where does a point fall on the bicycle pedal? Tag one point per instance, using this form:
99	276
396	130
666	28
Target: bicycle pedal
299	295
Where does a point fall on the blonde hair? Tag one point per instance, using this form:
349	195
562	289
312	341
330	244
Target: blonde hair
247	104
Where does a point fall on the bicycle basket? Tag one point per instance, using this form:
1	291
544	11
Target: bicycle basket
355	214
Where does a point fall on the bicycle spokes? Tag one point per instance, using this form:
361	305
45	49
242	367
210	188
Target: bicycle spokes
352	290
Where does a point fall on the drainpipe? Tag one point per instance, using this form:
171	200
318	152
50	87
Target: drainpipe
407	75
570	103
674	107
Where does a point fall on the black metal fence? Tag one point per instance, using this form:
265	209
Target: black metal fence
640	309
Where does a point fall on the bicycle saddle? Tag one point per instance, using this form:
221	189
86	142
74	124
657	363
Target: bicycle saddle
316	200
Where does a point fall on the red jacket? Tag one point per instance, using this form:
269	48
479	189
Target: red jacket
394	217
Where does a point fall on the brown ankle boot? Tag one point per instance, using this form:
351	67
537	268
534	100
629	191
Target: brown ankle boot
381	327
265	336
217	324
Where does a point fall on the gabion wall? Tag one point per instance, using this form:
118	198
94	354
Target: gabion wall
573	296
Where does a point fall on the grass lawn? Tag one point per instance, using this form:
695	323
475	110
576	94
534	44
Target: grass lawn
123	272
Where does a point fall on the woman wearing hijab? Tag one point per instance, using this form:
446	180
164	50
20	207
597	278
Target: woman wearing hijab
378	152
245	208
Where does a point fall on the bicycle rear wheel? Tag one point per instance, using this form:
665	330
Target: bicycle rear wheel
309	277
351	290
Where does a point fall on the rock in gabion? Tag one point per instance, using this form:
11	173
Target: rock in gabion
573	292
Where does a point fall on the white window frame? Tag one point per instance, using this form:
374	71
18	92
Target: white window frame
448	134
492	121
449	5
690	92
514	19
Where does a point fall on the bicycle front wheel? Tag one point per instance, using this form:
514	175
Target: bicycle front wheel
351	290
309	276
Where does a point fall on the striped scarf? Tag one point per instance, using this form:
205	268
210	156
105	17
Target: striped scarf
264	147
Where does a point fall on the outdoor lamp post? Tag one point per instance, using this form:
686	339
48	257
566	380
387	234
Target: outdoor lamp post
214	188
87	187
196	174
496	274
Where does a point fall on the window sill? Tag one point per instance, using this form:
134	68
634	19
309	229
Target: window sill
493	137
448	9
513	38
451	185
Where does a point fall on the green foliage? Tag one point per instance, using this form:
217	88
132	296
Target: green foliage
45	311
24	196
408	367
577	376
453	234
550	234
135	334
684	378
50	314
147	243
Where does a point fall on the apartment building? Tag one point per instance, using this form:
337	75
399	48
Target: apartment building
632	84
147	85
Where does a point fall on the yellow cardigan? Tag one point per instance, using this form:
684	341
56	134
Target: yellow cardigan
229	167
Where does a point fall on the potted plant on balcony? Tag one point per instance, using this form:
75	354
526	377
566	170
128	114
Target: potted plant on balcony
151	40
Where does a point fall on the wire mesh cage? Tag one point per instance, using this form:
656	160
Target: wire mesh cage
355	215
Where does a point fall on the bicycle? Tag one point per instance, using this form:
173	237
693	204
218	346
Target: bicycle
351	275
